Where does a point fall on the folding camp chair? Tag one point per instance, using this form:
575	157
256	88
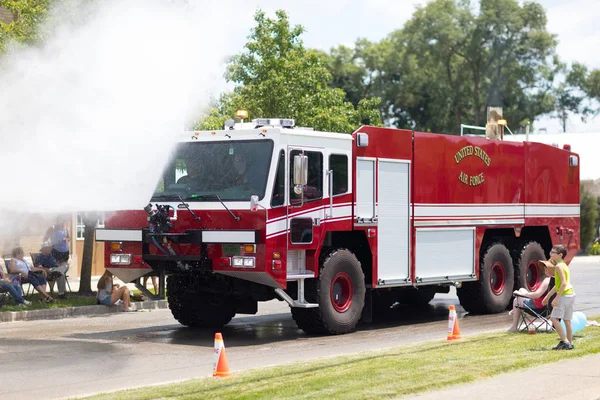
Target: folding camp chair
30	289
53	276
531	318
4	296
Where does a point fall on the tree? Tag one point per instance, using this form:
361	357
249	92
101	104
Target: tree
569	96
589	216
276	76
25	29
449	63
90	222
586	81
357	70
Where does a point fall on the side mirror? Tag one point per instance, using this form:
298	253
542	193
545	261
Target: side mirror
362	140
300	169
573	161
253	202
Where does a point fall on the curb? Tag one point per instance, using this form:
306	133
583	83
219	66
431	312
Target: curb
58	313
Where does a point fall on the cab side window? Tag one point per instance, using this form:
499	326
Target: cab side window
338	163
278	197
314	187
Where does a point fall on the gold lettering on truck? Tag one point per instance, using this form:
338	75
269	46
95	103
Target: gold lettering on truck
467	151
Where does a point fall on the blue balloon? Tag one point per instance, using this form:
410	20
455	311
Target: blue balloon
578	322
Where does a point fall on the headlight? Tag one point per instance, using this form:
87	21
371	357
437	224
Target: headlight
120	259
244	262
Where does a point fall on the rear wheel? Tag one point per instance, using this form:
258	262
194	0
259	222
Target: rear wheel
340	292
493	291
198	309
528	274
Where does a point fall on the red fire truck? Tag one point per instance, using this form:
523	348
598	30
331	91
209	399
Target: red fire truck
340	225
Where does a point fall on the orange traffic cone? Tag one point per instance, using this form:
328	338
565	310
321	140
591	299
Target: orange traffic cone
220	365
453	329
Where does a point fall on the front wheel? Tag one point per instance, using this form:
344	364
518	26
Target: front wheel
340	292
197	308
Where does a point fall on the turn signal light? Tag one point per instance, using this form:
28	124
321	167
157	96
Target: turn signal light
249	248
277	256
116	246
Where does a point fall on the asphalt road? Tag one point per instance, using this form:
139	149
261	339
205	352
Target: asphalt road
79	356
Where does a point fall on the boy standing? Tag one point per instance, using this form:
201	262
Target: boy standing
565	298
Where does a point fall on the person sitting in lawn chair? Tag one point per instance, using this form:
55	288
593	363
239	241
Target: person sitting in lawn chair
28	273
13	288
56	272
531	301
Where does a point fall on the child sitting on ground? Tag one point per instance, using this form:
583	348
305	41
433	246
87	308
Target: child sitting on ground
109	293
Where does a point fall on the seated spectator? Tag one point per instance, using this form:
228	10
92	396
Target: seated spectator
19	266
14	289
47	261
109	293
533	299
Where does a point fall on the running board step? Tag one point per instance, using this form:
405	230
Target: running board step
296	277
302	303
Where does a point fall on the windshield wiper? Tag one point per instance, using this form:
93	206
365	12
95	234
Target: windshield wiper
188	208
213	195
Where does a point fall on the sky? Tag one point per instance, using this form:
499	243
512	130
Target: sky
329	23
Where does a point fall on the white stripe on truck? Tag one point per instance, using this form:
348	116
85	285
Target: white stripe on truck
118	235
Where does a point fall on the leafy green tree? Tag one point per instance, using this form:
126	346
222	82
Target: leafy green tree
25	28
357	70
589	216
587	81
569	97
276	76
450	62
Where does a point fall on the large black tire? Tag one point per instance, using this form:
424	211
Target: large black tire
417	297
493	291
198	309
340	292
527	274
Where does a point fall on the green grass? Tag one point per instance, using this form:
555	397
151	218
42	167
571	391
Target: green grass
396	372
73	301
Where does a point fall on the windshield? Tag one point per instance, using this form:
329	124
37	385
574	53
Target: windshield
202	171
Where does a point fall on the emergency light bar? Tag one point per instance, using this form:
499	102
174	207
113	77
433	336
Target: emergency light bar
283	122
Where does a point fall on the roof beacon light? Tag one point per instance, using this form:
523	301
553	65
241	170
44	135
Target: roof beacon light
241	114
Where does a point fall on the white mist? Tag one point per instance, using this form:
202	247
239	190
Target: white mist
88	119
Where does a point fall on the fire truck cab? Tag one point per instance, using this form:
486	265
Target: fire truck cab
338	225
